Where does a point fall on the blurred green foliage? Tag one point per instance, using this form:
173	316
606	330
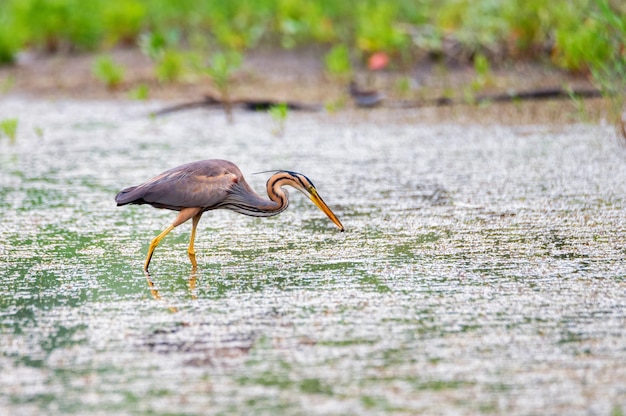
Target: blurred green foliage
337	61
279	113
378	27
222	66
8	127
170	66
163	49
107	71
220	69
140	92
577	35
607	57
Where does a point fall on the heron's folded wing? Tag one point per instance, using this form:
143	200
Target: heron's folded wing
177	190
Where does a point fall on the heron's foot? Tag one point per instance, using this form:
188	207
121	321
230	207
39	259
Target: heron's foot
146	263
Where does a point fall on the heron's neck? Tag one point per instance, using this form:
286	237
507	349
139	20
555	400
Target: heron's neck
276	192
245	201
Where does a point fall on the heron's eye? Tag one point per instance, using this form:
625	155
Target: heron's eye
311	189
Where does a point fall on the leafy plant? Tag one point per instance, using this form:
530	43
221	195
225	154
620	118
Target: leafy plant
483	71
608	65
152	44
84	28
141	92
297	21
235	27
474	27
162	50
578	46
279	114
8	127
377	27
60	24
220	69
337	61
170	66
123	21
11	37
529	23
107	71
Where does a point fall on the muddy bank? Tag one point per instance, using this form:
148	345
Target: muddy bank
300	76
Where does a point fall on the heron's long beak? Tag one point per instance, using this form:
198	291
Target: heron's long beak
319	202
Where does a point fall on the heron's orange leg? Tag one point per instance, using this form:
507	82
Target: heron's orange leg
191	250
154	243
183	216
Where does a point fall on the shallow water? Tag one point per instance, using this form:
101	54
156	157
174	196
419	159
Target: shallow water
482	270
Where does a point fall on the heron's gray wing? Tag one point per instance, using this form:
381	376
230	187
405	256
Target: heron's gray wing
199	184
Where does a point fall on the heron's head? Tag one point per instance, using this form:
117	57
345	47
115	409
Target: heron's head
304	185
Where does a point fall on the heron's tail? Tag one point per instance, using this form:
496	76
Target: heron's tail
127	196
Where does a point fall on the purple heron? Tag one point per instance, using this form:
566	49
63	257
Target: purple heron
205	185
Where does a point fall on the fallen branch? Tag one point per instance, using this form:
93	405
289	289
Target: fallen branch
246	104
542	94
513	96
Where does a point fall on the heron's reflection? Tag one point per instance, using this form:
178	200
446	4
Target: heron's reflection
191	283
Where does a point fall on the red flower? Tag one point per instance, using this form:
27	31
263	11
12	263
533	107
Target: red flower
377	61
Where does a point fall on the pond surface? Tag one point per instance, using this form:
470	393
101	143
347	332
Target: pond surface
482	268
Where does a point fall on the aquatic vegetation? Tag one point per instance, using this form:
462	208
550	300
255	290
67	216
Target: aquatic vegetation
107	71
141	92
220	69
8	127
482	69
170	66
337	61
162	49
279	114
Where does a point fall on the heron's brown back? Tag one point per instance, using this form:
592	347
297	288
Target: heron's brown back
204	184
